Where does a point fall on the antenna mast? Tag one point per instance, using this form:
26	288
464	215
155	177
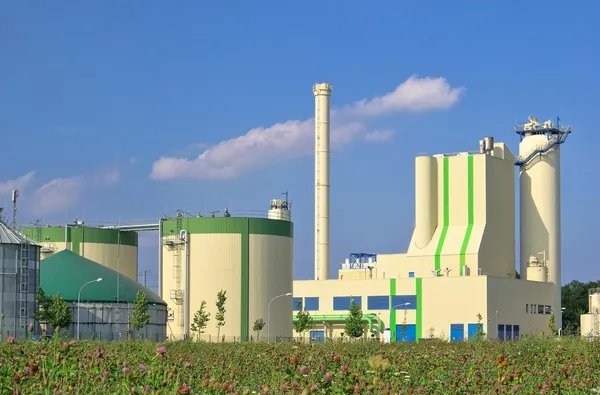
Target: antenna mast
15	195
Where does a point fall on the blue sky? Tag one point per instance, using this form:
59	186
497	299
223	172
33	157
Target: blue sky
93	94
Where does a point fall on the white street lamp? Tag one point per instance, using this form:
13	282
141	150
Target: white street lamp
79	300
269	314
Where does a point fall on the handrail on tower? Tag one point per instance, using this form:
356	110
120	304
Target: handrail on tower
555	134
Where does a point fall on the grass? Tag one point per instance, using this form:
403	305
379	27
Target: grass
531	365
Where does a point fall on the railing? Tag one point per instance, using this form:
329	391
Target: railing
542	148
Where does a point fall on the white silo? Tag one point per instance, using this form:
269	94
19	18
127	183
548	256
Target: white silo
539	179
322	94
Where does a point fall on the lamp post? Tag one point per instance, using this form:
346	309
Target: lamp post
79	300
269	314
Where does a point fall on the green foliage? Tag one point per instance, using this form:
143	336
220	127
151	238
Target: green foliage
140	317
479	332
52	310
304	322
201	318
354	323
529	365
404	325
259	324
220	316
552	324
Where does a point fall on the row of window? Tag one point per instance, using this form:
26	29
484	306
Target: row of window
538	309
379	302
508	332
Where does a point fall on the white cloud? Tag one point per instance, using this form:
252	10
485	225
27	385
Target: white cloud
63	193
377	136
18	183
294	138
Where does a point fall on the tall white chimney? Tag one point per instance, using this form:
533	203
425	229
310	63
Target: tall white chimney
322	94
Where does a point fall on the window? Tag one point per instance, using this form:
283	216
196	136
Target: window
296	302
404	302
411	274
378	302
311	303
508	331
527	308
533	308
516	332
500	332
548	309
343	302
540	309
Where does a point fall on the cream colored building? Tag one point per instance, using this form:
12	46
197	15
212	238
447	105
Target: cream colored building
590	322
113	248
249	258
458	273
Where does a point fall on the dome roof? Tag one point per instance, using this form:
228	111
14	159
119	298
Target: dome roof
65	272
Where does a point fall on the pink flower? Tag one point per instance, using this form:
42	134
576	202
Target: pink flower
11	339
184	389
304	369
161	350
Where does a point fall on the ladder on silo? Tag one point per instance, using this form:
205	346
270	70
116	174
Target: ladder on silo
24	285
176	294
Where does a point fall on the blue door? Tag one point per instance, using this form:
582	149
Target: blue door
457	332
410	336
317	336
472	329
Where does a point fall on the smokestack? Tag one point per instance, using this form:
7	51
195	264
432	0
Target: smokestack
322	94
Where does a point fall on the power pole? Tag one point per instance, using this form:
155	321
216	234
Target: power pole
144	273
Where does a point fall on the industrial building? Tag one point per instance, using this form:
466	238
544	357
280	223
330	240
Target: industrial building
458	272
19	280
101	300
590	322
116	249
251	259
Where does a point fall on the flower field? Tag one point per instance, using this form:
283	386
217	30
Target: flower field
528	366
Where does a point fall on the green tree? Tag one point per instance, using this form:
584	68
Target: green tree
259	324
552	324
220	316
479	333
404	326
140	317
201	318
574	299
53	311
303	322
354	324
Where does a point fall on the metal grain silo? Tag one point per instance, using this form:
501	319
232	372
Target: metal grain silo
19	279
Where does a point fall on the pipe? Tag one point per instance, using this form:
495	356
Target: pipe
137	228
160	258
370	318
322	93
183	235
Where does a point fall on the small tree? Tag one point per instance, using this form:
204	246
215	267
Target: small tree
354	324
552	324
259	324
201	318
220	316
140	317
404	326
479	333
53	311
304	322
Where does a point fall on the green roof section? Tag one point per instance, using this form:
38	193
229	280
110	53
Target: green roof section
205	225
83	234
65	273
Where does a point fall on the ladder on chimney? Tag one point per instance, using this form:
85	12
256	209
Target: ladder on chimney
24	285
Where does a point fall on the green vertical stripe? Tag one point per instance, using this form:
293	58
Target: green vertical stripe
438	251
471	215
419	323
76	239
245	286
392	311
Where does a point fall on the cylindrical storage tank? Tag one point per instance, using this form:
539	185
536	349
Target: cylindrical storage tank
107	305
537	273
113	248
19	280
540	211
251	259
426	205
